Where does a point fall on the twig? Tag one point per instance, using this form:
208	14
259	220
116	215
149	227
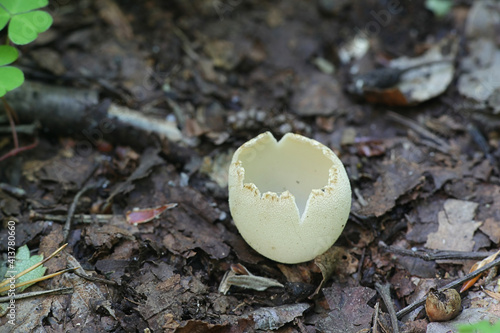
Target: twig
12	190
431	256
186	44
481	142
385	291
375	319
65	290
360	266
96	279
25	129
443	145
18	150
11	114
71	211
453	284
77	218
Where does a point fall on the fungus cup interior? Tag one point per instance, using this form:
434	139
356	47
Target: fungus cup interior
291	164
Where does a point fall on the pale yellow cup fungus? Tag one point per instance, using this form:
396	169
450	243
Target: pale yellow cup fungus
290	200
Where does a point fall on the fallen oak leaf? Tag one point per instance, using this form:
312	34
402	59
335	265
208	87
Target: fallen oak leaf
138	216
475	267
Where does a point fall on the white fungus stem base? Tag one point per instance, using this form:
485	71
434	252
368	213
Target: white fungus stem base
290	199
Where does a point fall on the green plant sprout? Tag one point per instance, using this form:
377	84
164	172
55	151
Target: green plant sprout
480	327
24	22
10	77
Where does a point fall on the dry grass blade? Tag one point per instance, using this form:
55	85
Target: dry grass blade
45	277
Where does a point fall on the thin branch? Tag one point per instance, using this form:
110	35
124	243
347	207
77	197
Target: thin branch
65	290
385	292
72	208
16	151
375	319
431	256
77	218
11	114
443	145
96	279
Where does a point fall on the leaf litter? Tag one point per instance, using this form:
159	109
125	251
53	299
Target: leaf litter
421	177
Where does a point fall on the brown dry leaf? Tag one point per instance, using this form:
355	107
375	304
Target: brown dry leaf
149	160
456	227
198	326
193	224
319	94
88	305
31	313
275	317
397	177
349	311
402	284
106	235
336	260
491	228
112	14
297	273
61	170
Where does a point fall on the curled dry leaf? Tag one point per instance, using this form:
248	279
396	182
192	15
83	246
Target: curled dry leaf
475	267
138	216
240	276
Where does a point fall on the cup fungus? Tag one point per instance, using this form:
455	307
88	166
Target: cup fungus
290	199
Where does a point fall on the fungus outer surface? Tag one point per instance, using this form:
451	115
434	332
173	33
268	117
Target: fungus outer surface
290	199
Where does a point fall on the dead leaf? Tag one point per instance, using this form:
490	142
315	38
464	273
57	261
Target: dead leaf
336	260
491	228
397	177
475	267
275	317
138	216
456	227
319	94
349	311
149	160
240	276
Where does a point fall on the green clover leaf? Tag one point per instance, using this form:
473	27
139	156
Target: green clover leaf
10	77
25	21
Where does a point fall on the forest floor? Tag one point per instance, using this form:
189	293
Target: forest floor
141	104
